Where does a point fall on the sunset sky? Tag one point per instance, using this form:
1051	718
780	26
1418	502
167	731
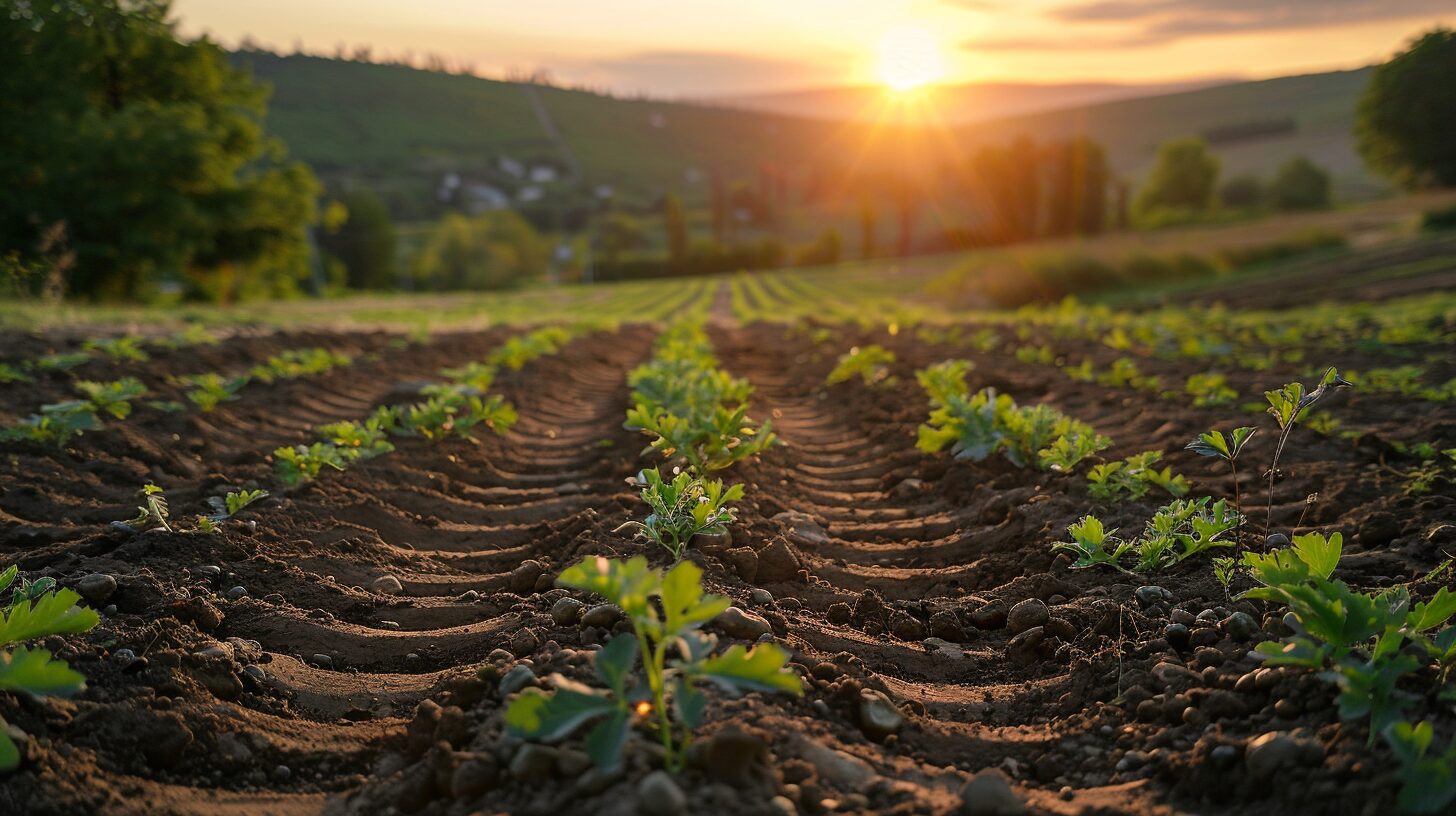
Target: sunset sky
712	47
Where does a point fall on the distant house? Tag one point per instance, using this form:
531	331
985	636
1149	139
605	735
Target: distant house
479	198
511	167
449	185
530	193
543	174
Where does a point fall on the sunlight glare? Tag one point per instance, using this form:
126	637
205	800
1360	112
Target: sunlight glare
909	58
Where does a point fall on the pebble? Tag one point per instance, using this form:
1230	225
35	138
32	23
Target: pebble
1240	626
256	672
1027	614
567	611
1149	595
96	587
1275	540
236	592
523	577
1223	757
988	793
1177	636
878	716
777	562
122	527
123	657
323	661
468	596
533	761
658	795
1268	753
388	584
517	679
760	597
990	616
946	626
603	615
738	623
524	642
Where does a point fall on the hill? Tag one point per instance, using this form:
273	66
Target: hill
406	132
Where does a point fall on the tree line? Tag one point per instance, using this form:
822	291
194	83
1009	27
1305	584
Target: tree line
137	164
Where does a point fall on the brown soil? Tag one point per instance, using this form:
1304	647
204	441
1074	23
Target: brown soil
314	692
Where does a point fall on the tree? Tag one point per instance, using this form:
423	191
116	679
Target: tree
1241	193
675	223
150	151
1300	185
866	227
822	251
1076	187
619	233
1009	178
1406	117
364	242
1183	179
495	250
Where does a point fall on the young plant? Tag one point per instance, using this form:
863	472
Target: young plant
1132	478
870	363
666	611
153	510
207	391
303	463
1209	390
1427	779
1179	530
127	349
113	398
682	508
476	376
10	374
1225	569
225	507
1286	405
1226	446
357	441
1089	545
34	613
56	424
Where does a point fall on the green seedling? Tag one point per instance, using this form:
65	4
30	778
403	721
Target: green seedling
1090	544
112	398
1226	446
303	463
56	424
10	374
476	376
666	612
126	349
1286	405
32	613
682	508
207	391
1209	390
1178	531
1225	569
870	363
228	506
1427	779
357	440
1131	478
152	513
62	362
293	363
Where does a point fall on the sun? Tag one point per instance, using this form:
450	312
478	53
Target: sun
909	58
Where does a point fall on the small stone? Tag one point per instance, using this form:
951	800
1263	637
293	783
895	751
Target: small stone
96	587
1268	753
990	616
123	657
946	626
737	623
567	611
388	584
989	793
1240	626
122	527
840	613
523	577
533	762
878	716
744	562
1223	757
321	660
236	593
210	570
255	672
474	777
905	626
468	596
603	615
1177	635
1026	615
524	642
777	562
1275	540
1025	648
517	679
802	529
658	795
944	648
281	773
1149	595
760	597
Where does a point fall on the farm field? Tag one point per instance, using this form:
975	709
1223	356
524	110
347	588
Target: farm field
920	553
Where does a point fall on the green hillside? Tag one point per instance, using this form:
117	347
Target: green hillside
401	130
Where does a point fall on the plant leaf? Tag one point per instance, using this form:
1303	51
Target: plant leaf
55	614
614	662
548	717
607	738
37	672
760	669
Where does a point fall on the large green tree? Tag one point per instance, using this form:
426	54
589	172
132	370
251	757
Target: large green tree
494	250
1300	184
147	151
1405	124
1184	178
365	242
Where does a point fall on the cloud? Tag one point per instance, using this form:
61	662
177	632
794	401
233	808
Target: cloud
1150	22
696	73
